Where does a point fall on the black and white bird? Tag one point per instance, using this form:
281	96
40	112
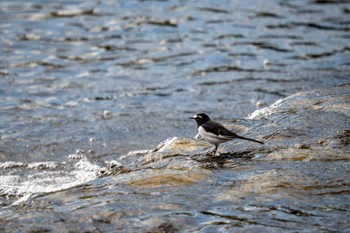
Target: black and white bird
214	132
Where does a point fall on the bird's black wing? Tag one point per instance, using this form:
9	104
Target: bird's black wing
226	132
219	130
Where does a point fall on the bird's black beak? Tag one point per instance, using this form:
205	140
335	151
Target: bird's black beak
192	118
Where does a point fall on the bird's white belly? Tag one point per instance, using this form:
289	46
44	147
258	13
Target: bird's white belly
211	138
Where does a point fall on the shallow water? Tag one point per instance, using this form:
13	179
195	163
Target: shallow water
84	82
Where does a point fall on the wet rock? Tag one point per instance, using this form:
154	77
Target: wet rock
152	178
310	126
165	227
311	154
172	153
114	169
270	185
181	145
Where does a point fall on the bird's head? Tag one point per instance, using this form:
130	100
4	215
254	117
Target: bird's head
200	118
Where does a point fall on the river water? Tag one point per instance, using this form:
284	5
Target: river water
82	83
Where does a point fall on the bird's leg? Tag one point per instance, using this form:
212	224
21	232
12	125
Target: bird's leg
215	149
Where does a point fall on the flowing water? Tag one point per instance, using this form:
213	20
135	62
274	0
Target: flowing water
82	83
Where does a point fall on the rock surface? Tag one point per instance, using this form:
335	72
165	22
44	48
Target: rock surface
312	125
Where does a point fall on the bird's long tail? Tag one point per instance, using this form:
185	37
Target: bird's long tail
249	139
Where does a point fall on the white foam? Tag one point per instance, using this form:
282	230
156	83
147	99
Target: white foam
12	164
79	154
42	165
43	177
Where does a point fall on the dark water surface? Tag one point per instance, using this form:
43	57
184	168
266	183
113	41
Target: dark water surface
82	83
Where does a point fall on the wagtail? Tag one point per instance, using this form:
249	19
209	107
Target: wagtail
214	132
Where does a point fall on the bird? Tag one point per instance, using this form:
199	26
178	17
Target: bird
214	132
